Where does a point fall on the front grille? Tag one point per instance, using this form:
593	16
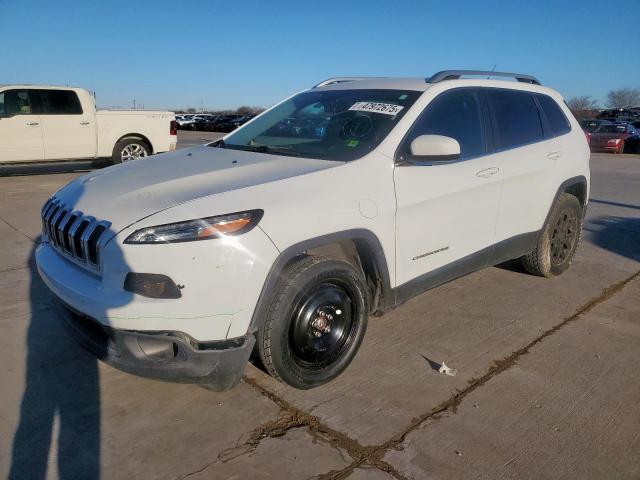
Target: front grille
73	234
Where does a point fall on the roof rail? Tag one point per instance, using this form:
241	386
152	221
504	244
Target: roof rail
332	81
455	74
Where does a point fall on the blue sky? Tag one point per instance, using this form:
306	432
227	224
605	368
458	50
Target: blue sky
222	54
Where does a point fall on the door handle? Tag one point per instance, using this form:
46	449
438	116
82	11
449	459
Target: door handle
554	155
84	123
33	124
487	172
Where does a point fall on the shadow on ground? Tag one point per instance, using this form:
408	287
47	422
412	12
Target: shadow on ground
60	410
620	235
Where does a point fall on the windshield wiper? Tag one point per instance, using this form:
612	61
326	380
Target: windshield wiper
278	150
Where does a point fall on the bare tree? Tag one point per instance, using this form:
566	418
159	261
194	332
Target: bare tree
623	98
191	110
246	110
583	107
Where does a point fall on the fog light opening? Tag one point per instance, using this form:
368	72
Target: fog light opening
151	285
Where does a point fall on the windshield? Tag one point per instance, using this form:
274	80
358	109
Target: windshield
334	125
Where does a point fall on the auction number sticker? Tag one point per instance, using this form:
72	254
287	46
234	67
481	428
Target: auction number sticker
386	108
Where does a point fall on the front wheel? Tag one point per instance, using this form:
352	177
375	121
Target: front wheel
559	240
315	323
129	149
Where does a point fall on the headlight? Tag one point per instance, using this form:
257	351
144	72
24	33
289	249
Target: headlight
199	229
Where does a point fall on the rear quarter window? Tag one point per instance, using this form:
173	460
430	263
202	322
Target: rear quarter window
558	122
516	118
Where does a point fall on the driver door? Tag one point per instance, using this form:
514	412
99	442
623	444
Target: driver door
446	210
20	128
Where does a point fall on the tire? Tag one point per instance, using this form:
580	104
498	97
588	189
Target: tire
316	322
131	148
559	240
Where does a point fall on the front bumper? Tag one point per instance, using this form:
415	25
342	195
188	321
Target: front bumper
169	356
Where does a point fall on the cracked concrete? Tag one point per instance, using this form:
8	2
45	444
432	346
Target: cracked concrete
533	355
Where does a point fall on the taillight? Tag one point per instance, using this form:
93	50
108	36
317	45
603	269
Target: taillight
173	128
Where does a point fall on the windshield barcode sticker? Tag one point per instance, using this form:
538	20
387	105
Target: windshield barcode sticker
386	108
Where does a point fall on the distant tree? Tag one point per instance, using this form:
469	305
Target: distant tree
246	110
191	110
583	107
623	98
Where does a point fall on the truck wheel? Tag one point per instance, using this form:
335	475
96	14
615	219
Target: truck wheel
129	149
559	240
315	323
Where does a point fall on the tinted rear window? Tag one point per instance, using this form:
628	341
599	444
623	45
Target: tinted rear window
517	120
60	102
557	120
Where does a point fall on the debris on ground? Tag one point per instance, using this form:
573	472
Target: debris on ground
447	370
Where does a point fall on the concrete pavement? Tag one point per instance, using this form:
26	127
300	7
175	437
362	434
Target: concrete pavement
545	385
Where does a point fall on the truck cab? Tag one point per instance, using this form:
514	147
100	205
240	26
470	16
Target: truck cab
39	123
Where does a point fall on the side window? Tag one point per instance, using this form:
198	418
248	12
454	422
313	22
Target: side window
456	114
15	102
557	120
516	117
60	102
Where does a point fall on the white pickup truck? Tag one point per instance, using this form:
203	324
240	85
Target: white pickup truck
41	123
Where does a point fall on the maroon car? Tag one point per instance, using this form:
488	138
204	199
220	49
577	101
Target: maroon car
616	138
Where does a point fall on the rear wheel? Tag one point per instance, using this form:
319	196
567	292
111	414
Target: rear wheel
316	322
129	149
559	240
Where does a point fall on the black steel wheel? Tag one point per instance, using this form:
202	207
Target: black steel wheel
321	326
316	322
559	239
564	236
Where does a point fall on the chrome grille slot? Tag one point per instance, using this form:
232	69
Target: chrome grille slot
77	236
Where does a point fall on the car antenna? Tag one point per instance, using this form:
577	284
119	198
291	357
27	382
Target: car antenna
492	70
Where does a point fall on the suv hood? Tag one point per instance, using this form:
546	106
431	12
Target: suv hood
124	194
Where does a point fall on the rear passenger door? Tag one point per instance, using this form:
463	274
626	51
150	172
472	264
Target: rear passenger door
446	211
68	131
529	154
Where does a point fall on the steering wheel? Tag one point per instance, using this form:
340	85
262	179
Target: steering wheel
358	127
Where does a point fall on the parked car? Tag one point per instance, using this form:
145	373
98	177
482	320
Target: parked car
184	120
177	268
589	126
618	115
615	138
231	123
201	122
41	123
224	123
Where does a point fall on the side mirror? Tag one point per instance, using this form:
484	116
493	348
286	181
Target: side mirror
434	148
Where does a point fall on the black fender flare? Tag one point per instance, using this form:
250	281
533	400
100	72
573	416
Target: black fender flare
580	180
361	237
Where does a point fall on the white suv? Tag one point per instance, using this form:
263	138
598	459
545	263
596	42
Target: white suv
340	202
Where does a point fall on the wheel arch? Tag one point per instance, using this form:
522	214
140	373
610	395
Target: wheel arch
576	186
137	136
370	255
